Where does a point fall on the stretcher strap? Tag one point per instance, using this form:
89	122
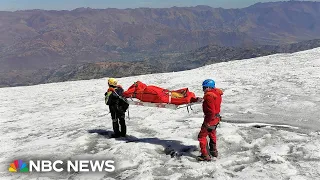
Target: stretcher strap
149	104
161	105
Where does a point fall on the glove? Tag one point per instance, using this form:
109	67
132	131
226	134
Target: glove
196	99
193	100
209	128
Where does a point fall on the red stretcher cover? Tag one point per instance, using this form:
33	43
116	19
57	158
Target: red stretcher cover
156	94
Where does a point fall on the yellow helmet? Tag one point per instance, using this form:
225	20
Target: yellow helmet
112	82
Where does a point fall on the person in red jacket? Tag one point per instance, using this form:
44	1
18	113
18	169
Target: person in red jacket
211	108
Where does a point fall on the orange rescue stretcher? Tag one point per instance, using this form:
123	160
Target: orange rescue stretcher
141	94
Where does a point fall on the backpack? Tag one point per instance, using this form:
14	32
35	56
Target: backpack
123	104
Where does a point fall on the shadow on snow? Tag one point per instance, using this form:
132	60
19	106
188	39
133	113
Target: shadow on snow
173	148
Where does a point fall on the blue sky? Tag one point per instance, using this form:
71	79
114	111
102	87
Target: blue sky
12	5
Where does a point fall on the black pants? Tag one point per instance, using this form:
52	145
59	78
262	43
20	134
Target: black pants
118	118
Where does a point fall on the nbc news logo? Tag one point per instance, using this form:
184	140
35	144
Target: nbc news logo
59	166
18	166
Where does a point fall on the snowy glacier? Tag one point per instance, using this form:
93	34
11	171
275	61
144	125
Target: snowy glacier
270	126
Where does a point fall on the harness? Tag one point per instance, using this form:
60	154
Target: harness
214	127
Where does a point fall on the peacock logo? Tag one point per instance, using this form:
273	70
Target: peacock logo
18	166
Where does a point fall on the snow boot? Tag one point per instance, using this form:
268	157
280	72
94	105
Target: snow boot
214	153
204	158
213	148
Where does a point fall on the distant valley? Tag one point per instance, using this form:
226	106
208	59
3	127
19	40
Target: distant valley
38	46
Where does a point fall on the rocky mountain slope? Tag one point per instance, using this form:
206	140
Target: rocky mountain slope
165	63
36	39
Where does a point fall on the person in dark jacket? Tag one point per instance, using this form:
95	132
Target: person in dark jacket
114	99
211	108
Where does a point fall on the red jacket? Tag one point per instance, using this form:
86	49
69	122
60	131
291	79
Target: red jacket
211	106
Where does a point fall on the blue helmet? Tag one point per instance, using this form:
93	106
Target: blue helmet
209	83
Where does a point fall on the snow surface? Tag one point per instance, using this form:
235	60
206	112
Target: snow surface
270	127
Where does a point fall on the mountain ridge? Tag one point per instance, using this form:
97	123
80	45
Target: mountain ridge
155	64
40	44
38	38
